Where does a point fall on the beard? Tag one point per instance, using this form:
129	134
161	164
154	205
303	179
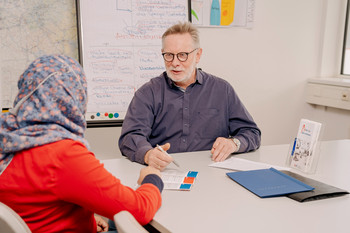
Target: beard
186	77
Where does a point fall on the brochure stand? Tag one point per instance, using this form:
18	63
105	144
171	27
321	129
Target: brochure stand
304	151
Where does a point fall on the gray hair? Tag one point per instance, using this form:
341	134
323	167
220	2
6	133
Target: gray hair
183	28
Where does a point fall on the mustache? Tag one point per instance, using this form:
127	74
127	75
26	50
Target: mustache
175	69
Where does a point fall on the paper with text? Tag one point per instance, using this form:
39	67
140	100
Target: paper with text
178	180
239	164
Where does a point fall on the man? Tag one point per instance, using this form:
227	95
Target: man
186	108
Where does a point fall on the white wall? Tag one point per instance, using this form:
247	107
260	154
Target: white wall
268	65
104	142
336	121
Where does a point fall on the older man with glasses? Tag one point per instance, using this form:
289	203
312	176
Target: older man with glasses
185	108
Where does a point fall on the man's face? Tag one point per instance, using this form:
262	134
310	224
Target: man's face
181	72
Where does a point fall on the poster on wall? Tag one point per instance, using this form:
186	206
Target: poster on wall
28	30
223	13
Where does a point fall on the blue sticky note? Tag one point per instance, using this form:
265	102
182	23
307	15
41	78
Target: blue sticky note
192	174
185	186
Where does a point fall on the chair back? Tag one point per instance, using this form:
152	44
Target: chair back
11	222
126	223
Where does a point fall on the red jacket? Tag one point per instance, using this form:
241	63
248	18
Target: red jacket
59	186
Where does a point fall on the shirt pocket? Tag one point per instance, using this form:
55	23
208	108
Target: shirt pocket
209	123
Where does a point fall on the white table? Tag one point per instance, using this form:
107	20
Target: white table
218	204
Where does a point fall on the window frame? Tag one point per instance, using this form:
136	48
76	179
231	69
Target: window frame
346	37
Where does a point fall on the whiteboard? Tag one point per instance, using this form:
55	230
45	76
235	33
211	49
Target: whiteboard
120	49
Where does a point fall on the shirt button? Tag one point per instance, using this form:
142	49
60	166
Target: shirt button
184	140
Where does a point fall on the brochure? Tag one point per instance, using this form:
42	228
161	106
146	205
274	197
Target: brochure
303	155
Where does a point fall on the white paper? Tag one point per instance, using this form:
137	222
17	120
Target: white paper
173	176
239	164
173	179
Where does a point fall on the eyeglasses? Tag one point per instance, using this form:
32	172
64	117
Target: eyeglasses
182	56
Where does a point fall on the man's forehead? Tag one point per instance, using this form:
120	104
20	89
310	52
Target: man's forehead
178	42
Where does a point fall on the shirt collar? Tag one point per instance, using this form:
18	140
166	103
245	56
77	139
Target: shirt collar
199	76
199	79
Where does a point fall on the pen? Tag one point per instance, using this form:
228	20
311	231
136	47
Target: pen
161	149
293	149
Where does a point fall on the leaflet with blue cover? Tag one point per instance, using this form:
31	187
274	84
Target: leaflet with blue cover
268	182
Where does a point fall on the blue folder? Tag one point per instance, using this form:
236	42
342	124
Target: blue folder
268	182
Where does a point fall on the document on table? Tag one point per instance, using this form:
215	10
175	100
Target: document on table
178	180
239	164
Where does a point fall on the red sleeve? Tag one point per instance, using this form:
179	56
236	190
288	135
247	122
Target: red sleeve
83	180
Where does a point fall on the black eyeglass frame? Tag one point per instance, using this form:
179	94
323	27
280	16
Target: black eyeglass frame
177	55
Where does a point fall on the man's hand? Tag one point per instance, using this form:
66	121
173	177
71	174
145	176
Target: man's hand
102	226
222	148
146	171
158	159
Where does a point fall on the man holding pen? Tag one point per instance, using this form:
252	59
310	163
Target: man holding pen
185	109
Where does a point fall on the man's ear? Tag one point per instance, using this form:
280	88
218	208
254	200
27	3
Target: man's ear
199	54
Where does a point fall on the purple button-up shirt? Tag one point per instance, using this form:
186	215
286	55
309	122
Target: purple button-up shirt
189	120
